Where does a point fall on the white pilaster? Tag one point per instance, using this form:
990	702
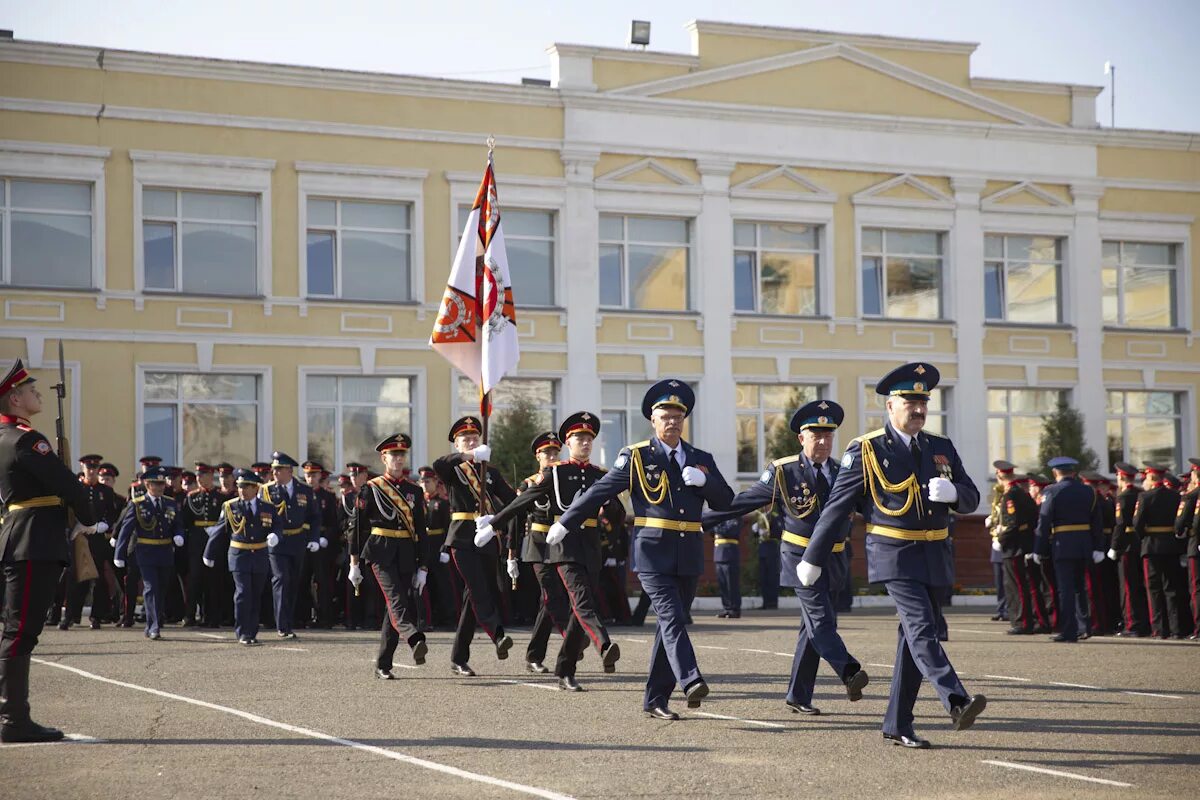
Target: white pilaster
581	253
713	277
1086	300
969	417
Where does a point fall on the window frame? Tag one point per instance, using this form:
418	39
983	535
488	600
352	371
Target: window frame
177	221
1175	271
945	295
1004	261
820	265
691	289
1185	425
555	246
556	378
337	230
823	393
1067	393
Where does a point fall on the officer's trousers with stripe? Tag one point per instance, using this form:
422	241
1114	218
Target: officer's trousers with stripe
585	620
553	614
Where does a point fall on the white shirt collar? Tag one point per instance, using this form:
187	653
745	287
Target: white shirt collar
904	437
680	458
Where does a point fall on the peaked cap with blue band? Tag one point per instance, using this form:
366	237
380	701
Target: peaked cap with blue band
669	393
912	381
824	414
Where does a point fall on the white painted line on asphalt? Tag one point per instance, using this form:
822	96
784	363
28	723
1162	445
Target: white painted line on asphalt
213	636
1057	772
70	738
1153	694
758	722
882	666
752	650
293	649
1009	678
631	639
325	737
710	647
972	630
1074	685
786	655
531	685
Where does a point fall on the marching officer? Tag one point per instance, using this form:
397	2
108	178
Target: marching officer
573	554
240	538
36	489
1003	468
905	482
1154	523
478	566
321	565
1126	549
199	509
150	528
1013	532
442	591
800	485
727	558
301	530
99	497
669	482
1070	529
388	526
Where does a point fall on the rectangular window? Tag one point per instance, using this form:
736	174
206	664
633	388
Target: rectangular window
902	273
1145	426
645	262
200	417
622	422
347	416
529	243
1140	283
200	242
1023	278
937	421
775	268
1014	424
542	392
45	234
764	412
359	249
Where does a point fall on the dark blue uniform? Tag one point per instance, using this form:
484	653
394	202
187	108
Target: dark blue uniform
301	513
768	528
1070	529
727	557
242	531
149	527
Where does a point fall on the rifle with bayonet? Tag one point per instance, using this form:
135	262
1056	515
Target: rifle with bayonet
85	565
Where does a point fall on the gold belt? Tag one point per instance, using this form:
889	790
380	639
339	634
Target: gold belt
909	536
45	501
1160	529
1068	528
542	528
207	523
294	531
667	524
802	541
154	541
435	532
390	534
457	515
726	541
247	545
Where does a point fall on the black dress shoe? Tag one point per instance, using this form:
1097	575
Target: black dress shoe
695	693
536	667
1084	635
568	684
1129	634
64	626
610	657
914	742
255	643
188	623
801	708
997	617
503	645
659	712
384	674
722	615
419	651
1019	631
734	615
854	686
1058	637
154	636
963	717
462	669
29	731
94	624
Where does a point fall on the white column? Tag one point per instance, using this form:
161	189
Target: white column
713	274
970	392
1086	295
580	249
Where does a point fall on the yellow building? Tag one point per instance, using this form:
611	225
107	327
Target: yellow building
241	257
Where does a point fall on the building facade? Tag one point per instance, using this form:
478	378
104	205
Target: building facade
241	257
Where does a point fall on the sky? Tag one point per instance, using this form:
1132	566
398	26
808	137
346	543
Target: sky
1154	44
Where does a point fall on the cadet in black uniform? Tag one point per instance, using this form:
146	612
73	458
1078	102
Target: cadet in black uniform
200	509
1187	527
442	590
388	526
321	565
1154	523
99	497
1014	529
35	489
1126	550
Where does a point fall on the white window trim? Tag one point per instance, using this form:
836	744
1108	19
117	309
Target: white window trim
1023	224
950	411
1189	428
521	193
1176	230
417	455
265	401
1005	261
65	162
933	220
692	278
183	171
804	212
363	182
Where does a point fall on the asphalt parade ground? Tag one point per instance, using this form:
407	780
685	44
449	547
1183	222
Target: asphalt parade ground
195	715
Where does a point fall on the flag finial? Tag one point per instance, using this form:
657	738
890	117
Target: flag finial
491	143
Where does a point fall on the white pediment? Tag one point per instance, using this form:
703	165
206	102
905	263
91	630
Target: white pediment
620	174
903	190
783	183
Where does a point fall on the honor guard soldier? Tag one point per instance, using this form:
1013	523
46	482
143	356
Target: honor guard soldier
573	553
388	526
727	560
800	485
263	470
905	482
1003	468
442	590
1070	530
1013	530
199	510
359	601
321	565
669	481
1154	523
301	531
152	530
1102	577
103	505
240	539
36	490
1187	527
477	566
1126	549
614	548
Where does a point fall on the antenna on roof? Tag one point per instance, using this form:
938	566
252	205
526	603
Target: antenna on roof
1110	69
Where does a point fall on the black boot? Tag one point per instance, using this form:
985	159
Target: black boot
15	724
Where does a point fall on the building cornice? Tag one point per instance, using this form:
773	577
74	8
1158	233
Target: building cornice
808	35
1035	87
617	54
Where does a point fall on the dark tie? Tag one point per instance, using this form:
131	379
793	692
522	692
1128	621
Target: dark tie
673	465
822	484
915	449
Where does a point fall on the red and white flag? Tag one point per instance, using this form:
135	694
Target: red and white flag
476	328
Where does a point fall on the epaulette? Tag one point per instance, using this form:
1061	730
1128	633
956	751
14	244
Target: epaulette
138	499
869	435
636	445
535	477
935	435
779	462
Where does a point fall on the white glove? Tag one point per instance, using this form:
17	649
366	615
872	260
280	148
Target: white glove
513	568
483	521
808	573
1183	561
444	557
208	562
313	547
942	491
996	545
610	562
323	542
118	563
1112	555
1029	556
178	540
694	477
272	539
101	527
1036	558
355	574
482	453
113	543
556	533
78	529
1097	556
484	535
987	521
419	580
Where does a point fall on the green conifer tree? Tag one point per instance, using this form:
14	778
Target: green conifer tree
1063	435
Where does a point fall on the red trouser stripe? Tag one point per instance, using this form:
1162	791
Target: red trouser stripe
1150	600
12	648
471	594
386	602
591	633
1192	569
1023	597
